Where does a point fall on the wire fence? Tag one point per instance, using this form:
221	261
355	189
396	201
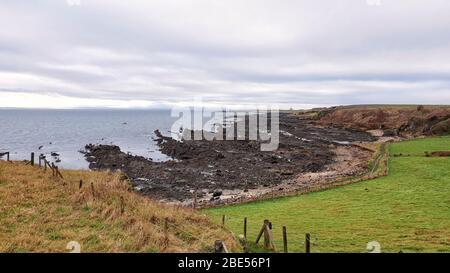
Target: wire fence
289	240
42	162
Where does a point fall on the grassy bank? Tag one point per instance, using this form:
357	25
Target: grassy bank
39	213
405	211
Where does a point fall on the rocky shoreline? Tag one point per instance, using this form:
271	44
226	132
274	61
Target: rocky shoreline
216	172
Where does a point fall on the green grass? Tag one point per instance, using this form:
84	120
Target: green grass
420	146
408	211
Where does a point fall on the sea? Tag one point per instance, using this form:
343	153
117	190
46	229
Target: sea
66	132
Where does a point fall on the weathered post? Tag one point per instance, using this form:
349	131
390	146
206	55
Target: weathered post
261	232
266	234
285	244
32	159
55	171
46	164
40	161
80	185
7	156
308	243
58	173
223	220
245	228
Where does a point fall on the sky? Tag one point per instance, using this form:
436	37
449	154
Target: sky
290	53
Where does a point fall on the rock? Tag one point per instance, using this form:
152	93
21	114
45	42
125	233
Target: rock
217	193
90	159
390	133
287	172
196	164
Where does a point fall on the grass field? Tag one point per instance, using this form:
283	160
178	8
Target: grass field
408	211
40	213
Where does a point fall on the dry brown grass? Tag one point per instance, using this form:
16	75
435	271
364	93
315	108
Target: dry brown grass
39	213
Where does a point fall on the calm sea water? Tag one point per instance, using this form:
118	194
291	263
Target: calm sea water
66	132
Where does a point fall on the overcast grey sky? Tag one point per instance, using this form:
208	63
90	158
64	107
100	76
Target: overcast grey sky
111	53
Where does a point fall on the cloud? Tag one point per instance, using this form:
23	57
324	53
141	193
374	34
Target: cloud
160	53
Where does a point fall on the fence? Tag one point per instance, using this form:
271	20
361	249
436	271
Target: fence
277	240
42	163
266	234
5	154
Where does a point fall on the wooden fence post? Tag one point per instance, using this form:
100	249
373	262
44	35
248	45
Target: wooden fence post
266	234
261	232
7	156
32	159
58	172
55	171
307	243
285	244
81	184
223	220
266	230
270	243
47	164
245	228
